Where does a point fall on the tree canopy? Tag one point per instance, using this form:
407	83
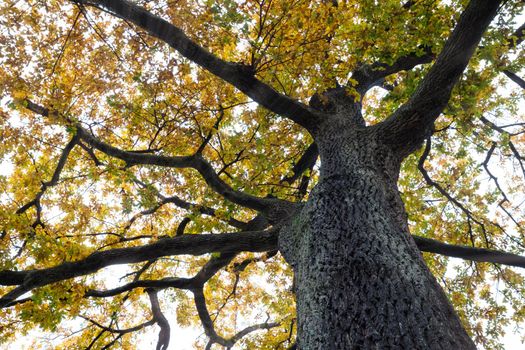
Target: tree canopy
175	138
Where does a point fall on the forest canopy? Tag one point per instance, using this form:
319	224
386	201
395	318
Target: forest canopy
176	139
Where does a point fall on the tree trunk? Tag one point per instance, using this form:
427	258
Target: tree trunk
361	282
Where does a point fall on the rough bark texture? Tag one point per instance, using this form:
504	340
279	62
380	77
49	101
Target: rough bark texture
361	280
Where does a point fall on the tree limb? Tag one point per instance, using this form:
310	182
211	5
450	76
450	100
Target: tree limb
195	161
55	177
119	331
410	124
306	161
514	150
517	37
207	323
370	75
469	253
254	241
160	319
240	76
512	76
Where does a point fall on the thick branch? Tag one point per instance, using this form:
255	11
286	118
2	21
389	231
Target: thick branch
207	323
517	37
160	319
197	281
469	253
306	161
413	122
370	75
240	76
195	161
512	76
255	241
12	278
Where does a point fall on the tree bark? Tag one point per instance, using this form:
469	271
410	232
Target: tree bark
361	282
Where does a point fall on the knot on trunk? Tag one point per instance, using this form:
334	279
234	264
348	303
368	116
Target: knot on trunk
341	101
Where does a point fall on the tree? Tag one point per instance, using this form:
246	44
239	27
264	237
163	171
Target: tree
138	133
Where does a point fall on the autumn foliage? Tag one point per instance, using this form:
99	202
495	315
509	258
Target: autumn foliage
175	154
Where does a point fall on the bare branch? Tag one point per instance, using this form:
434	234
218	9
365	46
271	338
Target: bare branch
492	176
252	328
54	179
513	149
197	281
119	331
171	282
207	323
179	202
195	161
440	188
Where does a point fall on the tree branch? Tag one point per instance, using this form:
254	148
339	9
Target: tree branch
228	243
160	319
197	281
55	177
512	76
512	147
517	37
254	241
469	253
306	161
119	331
370	75
240	76
207	323
408	126
195	161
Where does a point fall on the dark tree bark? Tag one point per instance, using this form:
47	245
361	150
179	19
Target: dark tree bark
361	282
